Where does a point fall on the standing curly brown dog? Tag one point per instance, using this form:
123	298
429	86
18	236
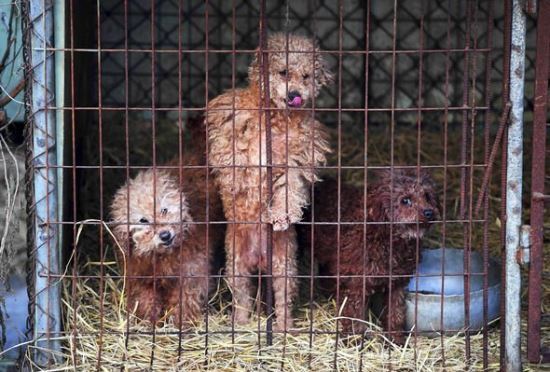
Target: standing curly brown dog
154	218
364	250
237	134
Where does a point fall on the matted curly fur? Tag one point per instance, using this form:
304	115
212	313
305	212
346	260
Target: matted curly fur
160	239
364	249
236	129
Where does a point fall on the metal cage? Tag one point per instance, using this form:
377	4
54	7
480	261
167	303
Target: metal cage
115	87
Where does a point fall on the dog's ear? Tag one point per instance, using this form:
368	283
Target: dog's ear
378	202
184	205
274	42
385	175
322	72
254	68
119	215
122	237
426	179
429	186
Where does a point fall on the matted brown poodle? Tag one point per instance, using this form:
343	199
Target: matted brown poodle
154	214
237	153
360	253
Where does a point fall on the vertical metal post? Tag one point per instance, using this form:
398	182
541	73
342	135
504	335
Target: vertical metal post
265	103
513	190
43	119
540	110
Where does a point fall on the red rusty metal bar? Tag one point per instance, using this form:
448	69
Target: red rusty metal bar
465	179
252	51
486	134
540	111
312	276
392	162
180	173
74	315
339	175
418	149
127	158
234	168
470	208
492	157
320	109
100	168
207	182
445	172
265	105
154	161
287	113
364	304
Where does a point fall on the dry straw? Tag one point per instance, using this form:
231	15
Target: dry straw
292	352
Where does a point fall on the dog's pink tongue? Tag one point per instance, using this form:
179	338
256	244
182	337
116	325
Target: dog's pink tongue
296	102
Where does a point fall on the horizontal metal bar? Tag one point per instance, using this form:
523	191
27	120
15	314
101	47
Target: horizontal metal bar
257	222
252	51
264	275
343	167
541	196
274	109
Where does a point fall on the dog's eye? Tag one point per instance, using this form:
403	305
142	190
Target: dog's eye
283	72
305	76
163	211
143	220
406	201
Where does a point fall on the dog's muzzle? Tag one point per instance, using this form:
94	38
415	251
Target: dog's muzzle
294	99
166	237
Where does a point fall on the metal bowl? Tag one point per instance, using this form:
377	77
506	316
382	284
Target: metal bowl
425	293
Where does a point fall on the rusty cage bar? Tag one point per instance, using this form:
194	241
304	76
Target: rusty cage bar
536	350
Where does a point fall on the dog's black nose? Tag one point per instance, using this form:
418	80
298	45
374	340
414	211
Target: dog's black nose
428	213
293	94
165	236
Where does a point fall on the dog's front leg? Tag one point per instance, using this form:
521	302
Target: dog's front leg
394	319
284	277
238	269
290	195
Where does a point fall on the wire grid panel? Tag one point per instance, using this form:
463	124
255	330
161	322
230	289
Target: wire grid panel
412	90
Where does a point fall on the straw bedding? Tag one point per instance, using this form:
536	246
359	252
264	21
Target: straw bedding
290	352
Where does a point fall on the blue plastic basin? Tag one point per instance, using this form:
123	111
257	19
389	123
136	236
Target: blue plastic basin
432	292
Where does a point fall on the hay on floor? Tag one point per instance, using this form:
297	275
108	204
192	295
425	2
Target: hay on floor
133	347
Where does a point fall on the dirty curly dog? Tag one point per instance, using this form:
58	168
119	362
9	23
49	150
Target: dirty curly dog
237	133
158	240
365	251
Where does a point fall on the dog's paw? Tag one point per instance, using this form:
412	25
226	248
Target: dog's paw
155	313
398	338
241	316
280	223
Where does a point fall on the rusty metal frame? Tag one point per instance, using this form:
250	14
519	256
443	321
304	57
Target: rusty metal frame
535	351
469	107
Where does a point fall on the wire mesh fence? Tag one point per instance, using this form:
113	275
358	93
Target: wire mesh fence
297	185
